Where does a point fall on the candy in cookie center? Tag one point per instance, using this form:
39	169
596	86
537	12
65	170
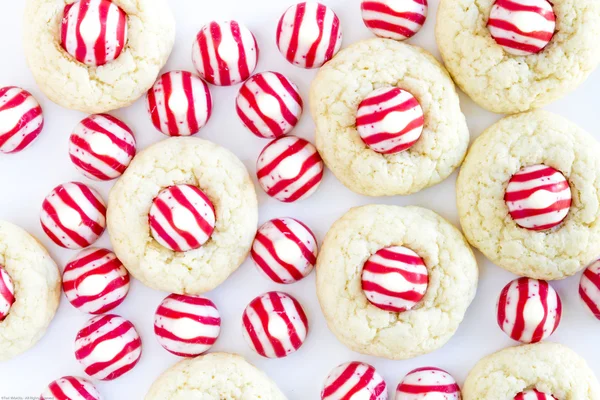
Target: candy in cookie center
7	293
534	394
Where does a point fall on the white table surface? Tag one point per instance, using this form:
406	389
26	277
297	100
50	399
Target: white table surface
27	177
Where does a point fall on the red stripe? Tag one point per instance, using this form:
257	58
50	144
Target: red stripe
341	380
252	334
532	212
379	115
243	58
298	17
287	232
100	44
514	6
409	295
268	245
312	52
81	49
172	126
208	72
507	26
538	333
222	67
182	199
385	9
275	299
29	116
265	267
333	37
525	193
522	285
281	185
419	389
188	89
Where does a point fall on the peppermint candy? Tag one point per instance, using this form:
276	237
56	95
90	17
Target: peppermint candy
394	19
71	388
289	169
395	279
186	325
73	215
225	53
354	380
101	147
534	394
179	103
93	32
274	325
390	120
269	105
7	293
428	382
285	250
108	346
529	310
538	197
589	288
21	119
309	34
95	281
182	218
522	27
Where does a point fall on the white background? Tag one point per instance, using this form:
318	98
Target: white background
27	177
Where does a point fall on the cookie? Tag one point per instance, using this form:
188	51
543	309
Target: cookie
35	287
85	57
216	375
534	138
514	56
221	176
369	329
549	368
344	82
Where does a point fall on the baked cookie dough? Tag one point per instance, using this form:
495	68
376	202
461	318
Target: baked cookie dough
350	77
537	137
367	329
548	367
214	376
91	89
223	179
36	290
505	83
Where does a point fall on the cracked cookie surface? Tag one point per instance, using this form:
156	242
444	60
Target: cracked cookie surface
221	176
361	326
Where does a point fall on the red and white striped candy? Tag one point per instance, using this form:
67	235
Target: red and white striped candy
71	388
426	383
108	346
7	293
534	394
269	105
94	32
101	147
179	103
289	169
589	288
538	197
394	19
309	34
73	215
95	281
354	380
225	53
182	218
187	325
529	310
522	27
285	250
21	119
390	120
395	279
274	325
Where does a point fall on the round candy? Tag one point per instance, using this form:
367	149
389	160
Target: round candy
428	383
93	32
186	325
7	293
179	103
95	281
285	250
522	27
274	325
21	119
395	279
538	197
269	105
390	120
309	34
534	394
589	288
101	147
225	53
71	388
182	218
394	19
108	346
289	169
73	215
354	380
529	310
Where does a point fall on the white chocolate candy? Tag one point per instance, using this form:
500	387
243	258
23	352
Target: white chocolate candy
71	388
394	19
589	288
354	381
21	119
7	293
428	383
534	394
